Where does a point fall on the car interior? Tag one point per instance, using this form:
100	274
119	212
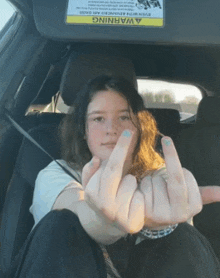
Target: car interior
45	60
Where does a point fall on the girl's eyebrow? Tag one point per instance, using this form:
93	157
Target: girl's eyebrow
104	112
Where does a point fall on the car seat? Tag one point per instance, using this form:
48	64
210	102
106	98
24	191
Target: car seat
199	151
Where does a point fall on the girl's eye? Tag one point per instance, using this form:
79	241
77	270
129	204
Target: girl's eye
125	118
98	119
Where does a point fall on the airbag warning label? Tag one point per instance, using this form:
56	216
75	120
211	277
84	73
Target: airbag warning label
118	12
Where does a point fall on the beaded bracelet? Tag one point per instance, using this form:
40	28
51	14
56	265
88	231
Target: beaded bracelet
155	234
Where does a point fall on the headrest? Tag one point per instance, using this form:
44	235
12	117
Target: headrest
208	111
168	120
89	63
165	115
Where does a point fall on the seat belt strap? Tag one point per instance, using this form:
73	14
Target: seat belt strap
31	139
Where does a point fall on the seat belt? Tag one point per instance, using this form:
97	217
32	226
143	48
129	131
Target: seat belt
31	139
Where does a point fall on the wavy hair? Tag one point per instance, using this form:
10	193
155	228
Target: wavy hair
75	150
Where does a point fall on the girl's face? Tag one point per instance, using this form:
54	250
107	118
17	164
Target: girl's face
108	115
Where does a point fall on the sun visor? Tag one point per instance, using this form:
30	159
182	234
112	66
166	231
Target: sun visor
135	21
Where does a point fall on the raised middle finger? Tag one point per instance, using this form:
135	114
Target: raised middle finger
177	189
112	172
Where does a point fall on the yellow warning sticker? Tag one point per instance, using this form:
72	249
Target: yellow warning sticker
104	20
116	12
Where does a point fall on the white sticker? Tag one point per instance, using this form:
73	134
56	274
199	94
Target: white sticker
118	12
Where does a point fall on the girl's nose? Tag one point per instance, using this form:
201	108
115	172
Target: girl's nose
111	127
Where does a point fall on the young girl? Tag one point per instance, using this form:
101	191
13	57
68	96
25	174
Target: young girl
122	218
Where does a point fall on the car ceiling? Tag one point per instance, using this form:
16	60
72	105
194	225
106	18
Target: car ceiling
194	61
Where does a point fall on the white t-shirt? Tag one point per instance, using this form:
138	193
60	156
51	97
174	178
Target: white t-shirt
49	184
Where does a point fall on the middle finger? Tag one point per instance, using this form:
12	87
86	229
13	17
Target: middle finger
112	173
162	207
177	189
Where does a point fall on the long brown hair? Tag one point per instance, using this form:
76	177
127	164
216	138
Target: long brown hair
75	150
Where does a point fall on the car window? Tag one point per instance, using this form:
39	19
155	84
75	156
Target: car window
6	12
160	94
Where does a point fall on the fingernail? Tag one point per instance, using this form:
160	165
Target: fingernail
126	133
167	142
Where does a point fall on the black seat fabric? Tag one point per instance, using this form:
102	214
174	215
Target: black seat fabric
10	144
168	121
168	124
17	221
199	152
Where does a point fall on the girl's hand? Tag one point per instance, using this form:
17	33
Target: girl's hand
173	199
114	198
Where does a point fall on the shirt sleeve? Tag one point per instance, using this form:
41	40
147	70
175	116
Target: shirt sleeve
49	184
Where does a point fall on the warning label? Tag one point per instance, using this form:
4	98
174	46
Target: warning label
118	12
